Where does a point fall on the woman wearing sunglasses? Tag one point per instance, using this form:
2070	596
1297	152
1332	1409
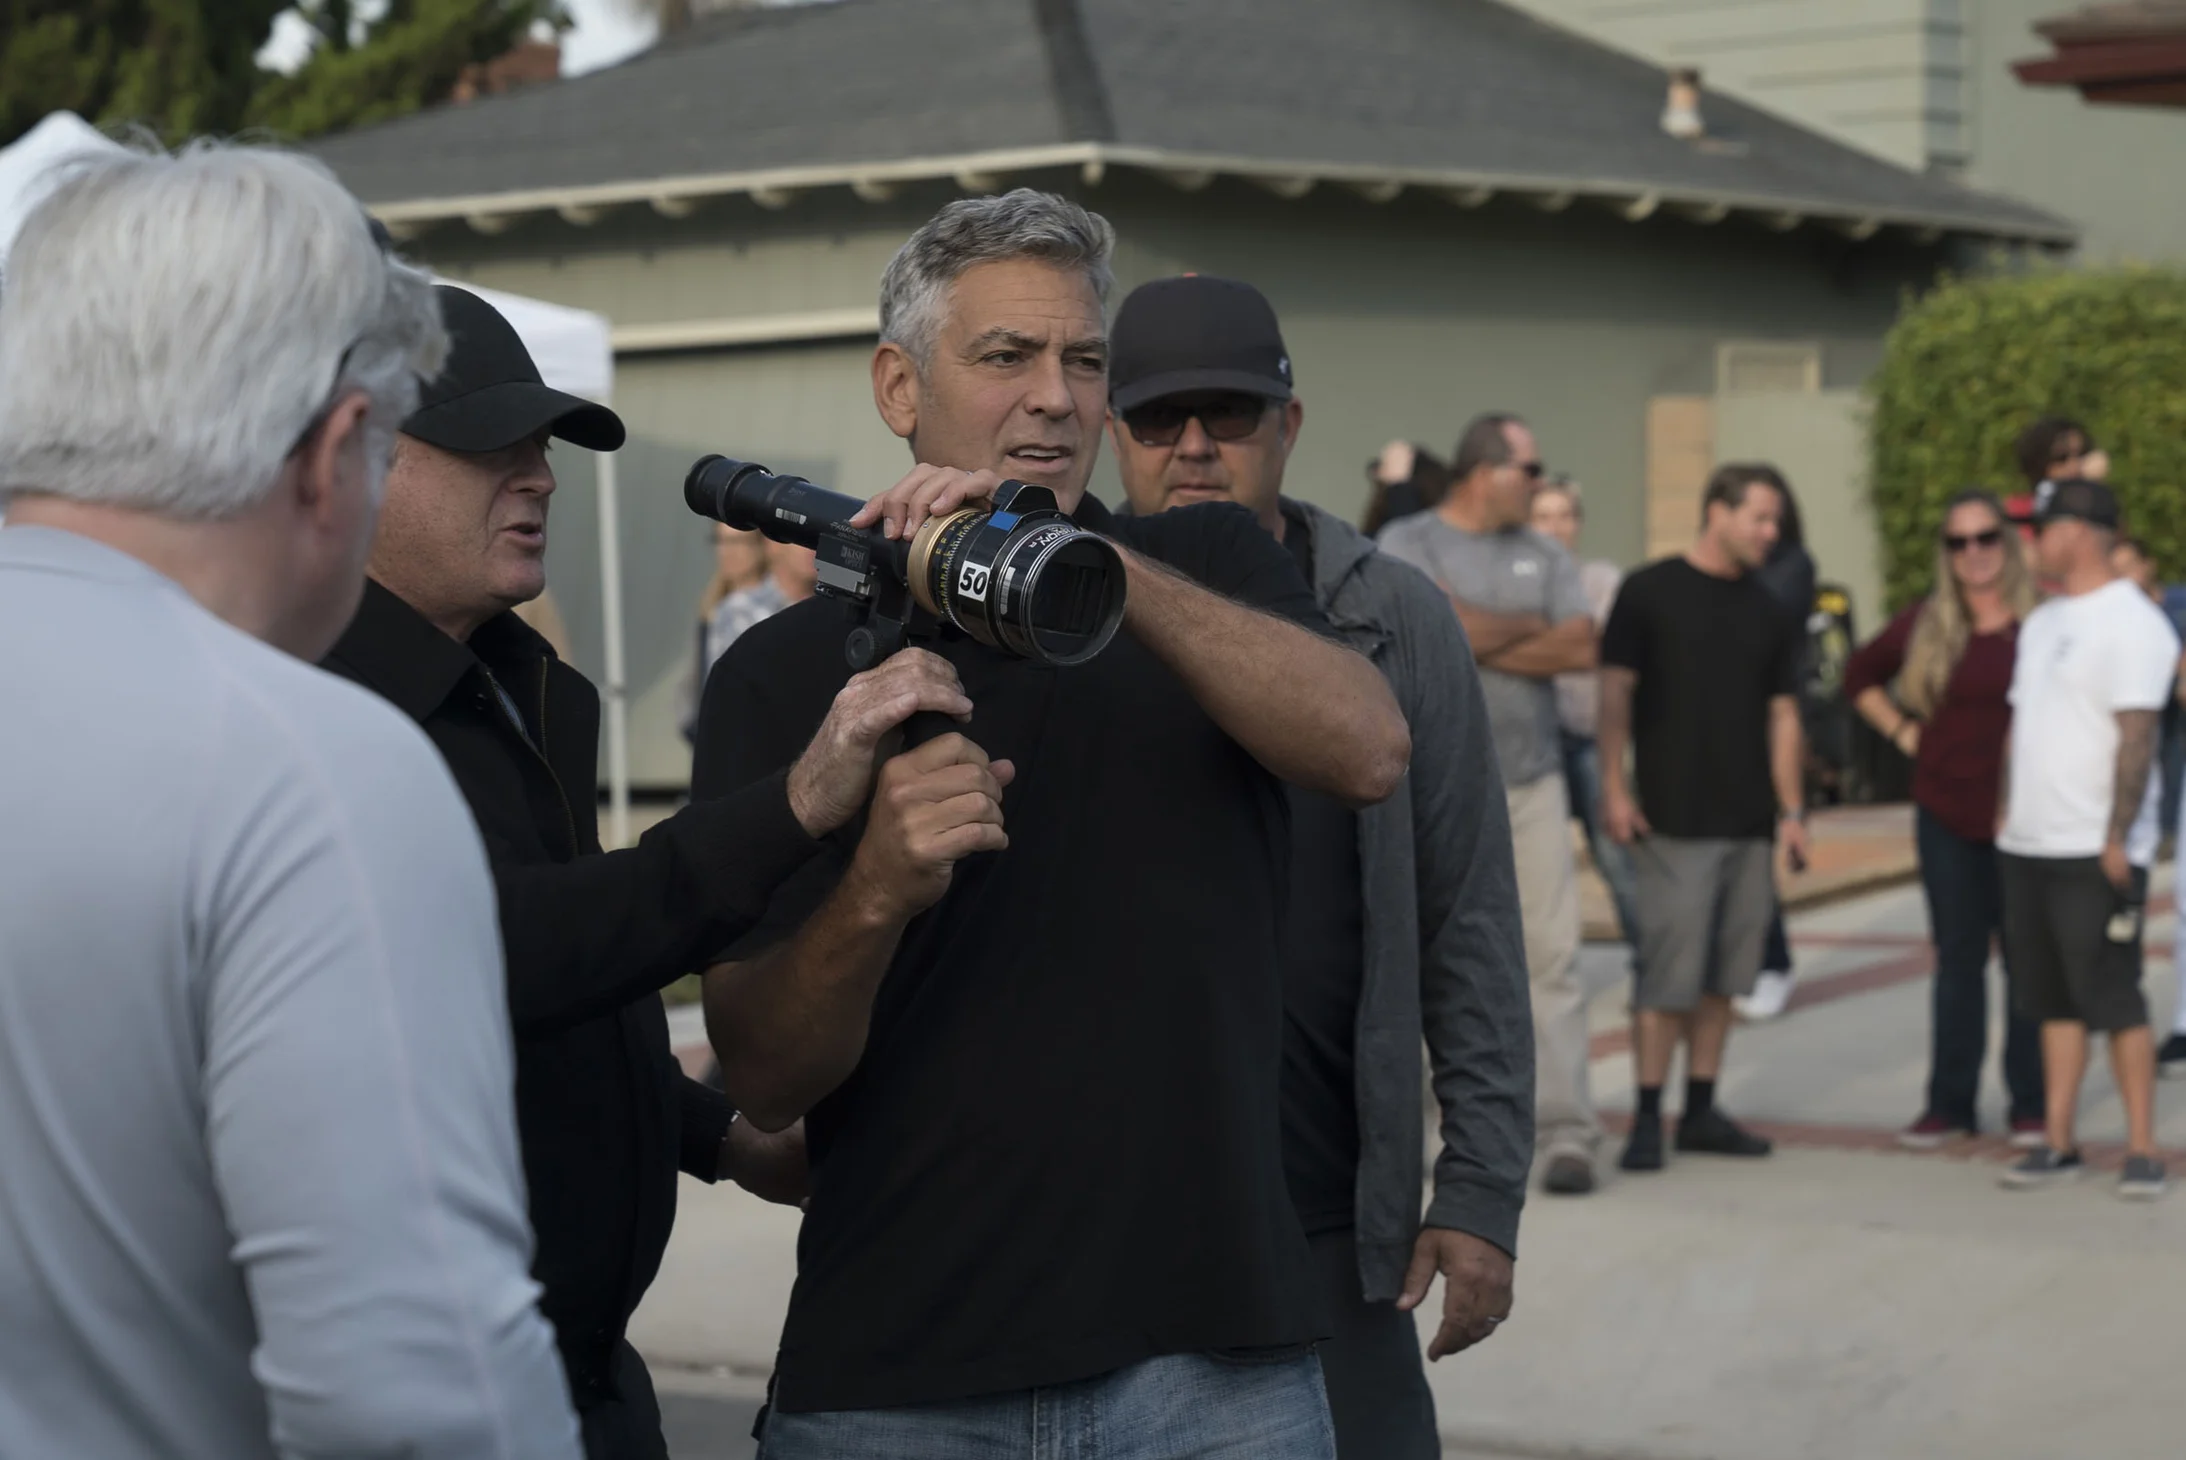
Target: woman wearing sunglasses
1935	683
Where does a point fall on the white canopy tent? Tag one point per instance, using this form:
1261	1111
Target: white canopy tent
570	346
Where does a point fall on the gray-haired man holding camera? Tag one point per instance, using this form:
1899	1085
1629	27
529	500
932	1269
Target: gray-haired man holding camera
1048	1191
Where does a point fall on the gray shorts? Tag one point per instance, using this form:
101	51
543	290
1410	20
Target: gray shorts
1704	910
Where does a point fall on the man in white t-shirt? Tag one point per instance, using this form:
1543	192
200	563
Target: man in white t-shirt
2094	669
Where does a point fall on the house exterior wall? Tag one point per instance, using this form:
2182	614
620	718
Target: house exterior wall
1884	75
1403	319
2113	170
1927	84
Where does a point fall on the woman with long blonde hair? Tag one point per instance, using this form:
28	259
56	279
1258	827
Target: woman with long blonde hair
1936	684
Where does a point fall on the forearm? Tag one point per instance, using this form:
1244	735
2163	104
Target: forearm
1314	713
1787	754
1568	646
1613	727
589	935
790	1025
1877	708
2136	753
1491	633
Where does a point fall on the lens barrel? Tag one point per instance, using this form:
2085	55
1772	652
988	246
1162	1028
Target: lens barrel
1031	583
749	497
1020	576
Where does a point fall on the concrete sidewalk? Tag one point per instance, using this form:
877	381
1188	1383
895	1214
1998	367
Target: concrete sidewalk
1841	1299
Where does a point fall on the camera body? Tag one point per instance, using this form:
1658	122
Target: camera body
1017	575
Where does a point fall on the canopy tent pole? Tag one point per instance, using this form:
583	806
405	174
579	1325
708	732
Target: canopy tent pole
613	693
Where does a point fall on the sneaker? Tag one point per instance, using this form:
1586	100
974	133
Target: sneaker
2029	1133
2143	1179
1932	1131
2045	1167
1643	1151
1771	992
1712	1133
2171	1058
1568	1174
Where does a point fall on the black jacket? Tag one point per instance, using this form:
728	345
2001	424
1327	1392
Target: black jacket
604	1113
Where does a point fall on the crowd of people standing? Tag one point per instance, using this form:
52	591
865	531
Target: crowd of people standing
339	1112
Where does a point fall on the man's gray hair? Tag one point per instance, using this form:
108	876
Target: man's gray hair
172	325
1023	224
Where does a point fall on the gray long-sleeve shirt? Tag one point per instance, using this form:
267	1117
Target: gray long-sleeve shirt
1445	947
259	1186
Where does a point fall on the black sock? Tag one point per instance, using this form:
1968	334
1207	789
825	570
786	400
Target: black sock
1699	1098
1650	1102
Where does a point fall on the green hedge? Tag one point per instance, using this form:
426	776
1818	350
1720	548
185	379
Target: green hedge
1971	363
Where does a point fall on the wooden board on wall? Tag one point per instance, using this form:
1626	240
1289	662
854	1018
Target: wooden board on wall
1680	454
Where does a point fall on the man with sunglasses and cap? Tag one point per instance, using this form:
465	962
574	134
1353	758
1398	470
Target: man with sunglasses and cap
1525	611
1401	926
605	1116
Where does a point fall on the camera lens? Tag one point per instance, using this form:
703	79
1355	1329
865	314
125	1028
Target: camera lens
1032	584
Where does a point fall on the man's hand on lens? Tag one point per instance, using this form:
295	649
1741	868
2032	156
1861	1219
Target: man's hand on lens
770	1167
1476	1287
935	805
828	784
929	491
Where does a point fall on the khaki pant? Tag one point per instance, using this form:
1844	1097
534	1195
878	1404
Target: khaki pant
1548	899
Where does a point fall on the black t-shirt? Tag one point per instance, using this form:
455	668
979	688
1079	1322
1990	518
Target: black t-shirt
1324	962
1710	654
1061	1151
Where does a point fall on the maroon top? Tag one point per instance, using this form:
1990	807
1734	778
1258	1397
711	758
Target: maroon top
1962	744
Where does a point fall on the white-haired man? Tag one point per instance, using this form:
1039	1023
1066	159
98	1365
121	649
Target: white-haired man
1050	1193
262	1193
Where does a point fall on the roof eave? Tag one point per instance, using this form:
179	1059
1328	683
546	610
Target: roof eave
675	197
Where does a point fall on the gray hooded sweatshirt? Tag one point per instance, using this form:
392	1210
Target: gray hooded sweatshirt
1445	951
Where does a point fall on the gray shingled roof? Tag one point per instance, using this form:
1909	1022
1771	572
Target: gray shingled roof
1427	93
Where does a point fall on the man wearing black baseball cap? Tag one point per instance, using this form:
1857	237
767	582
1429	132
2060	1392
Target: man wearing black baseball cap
604	1114
2092	673
1402	920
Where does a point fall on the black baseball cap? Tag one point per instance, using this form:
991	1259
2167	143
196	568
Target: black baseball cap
2076	497
1195	332
489	394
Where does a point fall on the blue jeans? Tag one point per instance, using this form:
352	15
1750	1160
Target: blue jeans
1965	912
1179	1407
1583	784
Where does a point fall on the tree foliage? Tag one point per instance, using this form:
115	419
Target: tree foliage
189	67
406	58
1970	364
176	66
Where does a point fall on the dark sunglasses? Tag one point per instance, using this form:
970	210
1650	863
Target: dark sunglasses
1224	417
1954	543
1533	469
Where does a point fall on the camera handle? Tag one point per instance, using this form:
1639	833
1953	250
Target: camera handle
883	630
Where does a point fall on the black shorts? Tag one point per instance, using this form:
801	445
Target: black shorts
2065	965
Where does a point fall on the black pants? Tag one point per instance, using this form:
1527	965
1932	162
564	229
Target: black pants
628	1427
1965	912
1376	1377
